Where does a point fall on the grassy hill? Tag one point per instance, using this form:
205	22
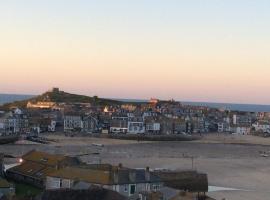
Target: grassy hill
62	97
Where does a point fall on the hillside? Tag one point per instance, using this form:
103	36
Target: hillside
61	97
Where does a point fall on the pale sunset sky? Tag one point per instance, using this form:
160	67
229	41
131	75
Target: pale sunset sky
195	50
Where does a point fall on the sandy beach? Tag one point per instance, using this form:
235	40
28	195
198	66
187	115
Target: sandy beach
230	161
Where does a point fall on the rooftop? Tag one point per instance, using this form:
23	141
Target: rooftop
44	158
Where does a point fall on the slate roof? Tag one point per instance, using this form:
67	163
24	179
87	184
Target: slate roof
38	164
104	177
81	174
32	169
43	158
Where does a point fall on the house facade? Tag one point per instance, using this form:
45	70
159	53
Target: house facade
127	182
14	123
72	123
136	125
85	124
263	126
241	130
118	126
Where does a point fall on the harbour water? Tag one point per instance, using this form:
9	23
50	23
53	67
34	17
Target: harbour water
7	98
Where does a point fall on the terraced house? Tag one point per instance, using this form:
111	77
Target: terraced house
125	181
84	123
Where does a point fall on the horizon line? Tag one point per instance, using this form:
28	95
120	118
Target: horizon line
146	100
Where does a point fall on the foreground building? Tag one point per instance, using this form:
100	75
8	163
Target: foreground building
125	181
37	165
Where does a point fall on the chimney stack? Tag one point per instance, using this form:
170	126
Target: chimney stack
132	175
147	174
120	165
116	176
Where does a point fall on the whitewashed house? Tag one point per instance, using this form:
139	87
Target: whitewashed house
136	126
51	126
241	130
152	127
224	127
263	126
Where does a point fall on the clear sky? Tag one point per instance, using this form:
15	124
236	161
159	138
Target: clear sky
197	50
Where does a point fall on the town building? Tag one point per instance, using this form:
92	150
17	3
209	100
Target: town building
241	130
136	125
152	126
119	126
14	122
41	105
125	181
72	123
262	125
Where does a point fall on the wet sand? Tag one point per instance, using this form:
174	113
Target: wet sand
229	161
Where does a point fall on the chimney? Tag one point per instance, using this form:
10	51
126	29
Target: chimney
115	176
147	174
120	166
132	175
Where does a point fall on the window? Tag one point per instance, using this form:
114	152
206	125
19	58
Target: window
126	188
155	187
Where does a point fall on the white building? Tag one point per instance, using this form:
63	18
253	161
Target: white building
51	127
263	126
241	130
224	127
152	127
136	126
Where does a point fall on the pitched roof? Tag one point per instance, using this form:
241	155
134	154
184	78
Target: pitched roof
104	177
83	174
32	169
44	158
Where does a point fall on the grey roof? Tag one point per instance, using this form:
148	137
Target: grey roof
139	178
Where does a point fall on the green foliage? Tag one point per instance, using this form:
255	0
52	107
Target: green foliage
24	190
